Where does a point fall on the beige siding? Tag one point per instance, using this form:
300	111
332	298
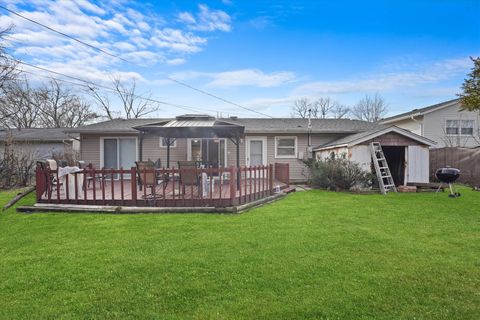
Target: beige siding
414	126
90	149
434	127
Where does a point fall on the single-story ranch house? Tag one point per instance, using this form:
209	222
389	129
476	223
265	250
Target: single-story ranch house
121	142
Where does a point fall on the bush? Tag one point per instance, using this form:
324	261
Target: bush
338	174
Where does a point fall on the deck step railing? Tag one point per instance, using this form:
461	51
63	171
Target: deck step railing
172	187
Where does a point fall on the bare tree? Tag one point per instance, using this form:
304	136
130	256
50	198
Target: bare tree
370	108
17	105
133	105
8	65
340	111
324	106
302	107
60	107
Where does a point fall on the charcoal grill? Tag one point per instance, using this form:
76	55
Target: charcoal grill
448	176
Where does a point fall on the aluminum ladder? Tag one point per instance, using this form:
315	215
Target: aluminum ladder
385	180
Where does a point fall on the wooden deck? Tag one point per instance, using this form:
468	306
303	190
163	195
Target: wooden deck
248	184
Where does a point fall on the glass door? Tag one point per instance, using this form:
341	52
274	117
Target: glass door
119	153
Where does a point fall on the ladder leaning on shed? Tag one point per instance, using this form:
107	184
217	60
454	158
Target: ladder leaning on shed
385	180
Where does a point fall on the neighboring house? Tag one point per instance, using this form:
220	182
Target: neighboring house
443	123
119	143
39	142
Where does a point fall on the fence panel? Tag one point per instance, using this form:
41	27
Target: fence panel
465	159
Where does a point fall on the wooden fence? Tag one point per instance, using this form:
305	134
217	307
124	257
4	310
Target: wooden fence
206	187
282	173
465	159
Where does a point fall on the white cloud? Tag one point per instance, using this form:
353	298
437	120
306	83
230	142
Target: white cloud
177	40
432	73
238	78
207	19
176	62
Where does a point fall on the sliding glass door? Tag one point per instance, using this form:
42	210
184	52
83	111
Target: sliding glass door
209	152
119	153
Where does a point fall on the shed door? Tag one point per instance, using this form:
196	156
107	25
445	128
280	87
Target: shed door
418	164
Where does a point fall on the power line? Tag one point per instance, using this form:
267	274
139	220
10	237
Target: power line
63	34
90	85
123	59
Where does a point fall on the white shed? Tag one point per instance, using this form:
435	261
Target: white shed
407	153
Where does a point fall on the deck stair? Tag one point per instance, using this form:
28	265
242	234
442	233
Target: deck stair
384	176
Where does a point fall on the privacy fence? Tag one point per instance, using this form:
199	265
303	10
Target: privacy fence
465	159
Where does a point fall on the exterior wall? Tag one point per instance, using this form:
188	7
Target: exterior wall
361	155
392	139
38	150
415	126
434	127
90	150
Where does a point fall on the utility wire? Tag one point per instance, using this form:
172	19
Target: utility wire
123	59
90	85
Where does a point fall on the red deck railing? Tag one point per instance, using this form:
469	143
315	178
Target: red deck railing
173	187
282	173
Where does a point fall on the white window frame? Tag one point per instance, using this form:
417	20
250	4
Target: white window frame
294	156
460	128
174	145
102	160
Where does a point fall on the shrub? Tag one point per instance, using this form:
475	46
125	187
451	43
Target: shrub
338	174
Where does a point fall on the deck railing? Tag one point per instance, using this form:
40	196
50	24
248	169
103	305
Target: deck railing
172	187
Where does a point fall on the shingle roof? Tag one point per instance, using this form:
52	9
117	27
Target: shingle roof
357	137
36	134
252	125
421	111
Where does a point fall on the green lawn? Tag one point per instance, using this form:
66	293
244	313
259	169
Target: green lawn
312	255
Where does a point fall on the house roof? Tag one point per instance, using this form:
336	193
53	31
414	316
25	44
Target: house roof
252	125
37	134
421	111
360	137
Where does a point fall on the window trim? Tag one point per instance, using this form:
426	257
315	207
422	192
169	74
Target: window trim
460	128
294	156
160	140
102	155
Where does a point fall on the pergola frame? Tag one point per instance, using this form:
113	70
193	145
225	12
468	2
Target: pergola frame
192	126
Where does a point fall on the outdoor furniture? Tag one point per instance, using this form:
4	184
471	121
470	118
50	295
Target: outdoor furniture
53	178
91	175
189	175
147	177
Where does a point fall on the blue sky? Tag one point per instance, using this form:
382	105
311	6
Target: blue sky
260	54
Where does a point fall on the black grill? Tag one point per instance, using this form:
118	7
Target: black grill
449	175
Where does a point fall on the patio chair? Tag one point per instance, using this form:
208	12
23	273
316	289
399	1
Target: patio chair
53	178
150	178
94	176
189	175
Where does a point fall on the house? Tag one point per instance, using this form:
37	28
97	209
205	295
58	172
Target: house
119	143
39	142
443	123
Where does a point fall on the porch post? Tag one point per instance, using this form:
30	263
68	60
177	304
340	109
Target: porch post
237	144
140	151
168	152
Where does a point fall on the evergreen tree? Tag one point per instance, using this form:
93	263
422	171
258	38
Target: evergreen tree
470	98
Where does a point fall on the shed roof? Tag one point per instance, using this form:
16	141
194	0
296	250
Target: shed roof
360	137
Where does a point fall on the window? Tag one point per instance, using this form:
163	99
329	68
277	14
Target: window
467	127
453	127
285	147
163	143
460	127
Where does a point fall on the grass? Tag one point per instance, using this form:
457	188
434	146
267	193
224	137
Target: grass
314	254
